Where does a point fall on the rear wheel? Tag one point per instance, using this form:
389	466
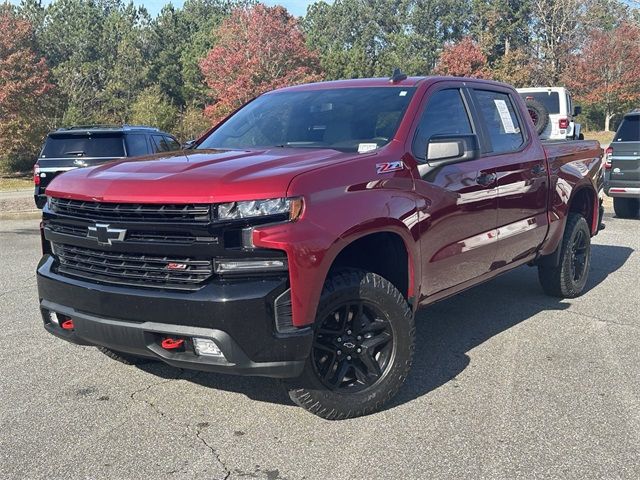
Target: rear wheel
569	277
364	339
626	207
124	357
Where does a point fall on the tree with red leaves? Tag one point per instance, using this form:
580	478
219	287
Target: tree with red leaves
463	59
607	71
257	49
24	85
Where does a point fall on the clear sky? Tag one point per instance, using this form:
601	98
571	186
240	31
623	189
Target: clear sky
296	7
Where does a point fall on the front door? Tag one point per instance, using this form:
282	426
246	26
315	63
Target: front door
459	201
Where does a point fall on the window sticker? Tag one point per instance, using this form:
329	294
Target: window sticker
505	116
366	147
403	93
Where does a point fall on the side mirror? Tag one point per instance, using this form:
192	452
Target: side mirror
188	144
448	149
577	110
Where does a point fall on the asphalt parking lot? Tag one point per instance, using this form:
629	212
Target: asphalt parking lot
507	383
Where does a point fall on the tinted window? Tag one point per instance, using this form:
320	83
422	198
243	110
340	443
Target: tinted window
136	145
445	114
349	119
551	100
160	144
69	145
629	130
172	143
501	121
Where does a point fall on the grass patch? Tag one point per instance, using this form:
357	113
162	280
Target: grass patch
604	138
15	183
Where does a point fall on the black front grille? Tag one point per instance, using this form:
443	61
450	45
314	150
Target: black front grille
142	236
131	211
132	269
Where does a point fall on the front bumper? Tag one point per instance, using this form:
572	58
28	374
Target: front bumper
237	315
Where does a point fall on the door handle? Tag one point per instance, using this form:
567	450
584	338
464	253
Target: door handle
538	169
486	179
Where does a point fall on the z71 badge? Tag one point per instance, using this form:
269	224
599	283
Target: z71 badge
390	166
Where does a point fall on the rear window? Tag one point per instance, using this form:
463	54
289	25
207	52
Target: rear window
73	146
629	130
551	100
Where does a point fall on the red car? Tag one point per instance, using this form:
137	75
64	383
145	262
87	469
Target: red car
299	236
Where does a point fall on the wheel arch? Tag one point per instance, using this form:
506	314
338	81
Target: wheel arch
386	252
584	200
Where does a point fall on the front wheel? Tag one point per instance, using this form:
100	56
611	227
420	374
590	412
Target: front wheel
569	277
364	339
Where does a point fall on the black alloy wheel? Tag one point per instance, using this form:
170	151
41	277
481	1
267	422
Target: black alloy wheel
353	347
579	250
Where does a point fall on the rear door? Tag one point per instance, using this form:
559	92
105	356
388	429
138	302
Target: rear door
522	177
458	240
625	158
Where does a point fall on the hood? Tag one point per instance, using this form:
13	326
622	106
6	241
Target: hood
193	176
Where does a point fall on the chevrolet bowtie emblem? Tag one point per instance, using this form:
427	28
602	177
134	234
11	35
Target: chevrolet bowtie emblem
105	235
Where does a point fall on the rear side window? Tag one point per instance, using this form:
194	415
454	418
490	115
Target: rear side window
551	100
629	129
83	145
136	145
172	144
160	143
501	120
445	114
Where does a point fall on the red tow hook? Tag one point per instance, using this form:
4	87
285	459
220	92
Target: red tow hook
67	324
172	343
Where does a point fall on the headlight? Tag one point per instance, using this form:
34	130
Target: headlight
261	208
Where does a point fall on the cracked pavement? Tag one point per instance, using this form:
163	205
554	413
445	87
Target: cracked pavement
507	383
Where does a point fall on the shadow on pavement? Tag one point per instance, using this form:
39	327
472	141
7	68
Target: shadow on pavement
446	331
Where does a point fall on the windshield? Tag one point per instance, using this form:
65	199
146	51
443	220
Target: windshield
85	145
551	100
629	130
348	119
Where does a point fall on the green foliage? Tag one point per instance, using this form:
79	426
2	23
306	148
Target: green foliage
109	61
192	123
153	107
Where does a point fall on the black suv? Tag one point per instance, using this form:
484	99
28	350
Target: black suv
88	145
622	180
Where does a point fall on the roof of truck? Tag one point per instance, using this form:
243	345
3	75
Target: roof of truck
408	82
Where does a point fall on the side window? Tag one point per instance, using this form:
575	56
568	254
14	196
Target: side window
445	114
136	145
501	120
160	144
172	143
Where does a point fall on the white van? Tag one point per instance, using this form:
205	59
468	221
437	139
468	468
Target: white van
561	112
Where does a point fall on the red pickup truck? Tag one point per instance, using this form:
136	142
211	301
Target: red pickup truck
299	236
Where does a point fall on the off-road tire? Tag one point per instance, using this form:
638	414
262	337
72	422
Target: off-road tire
626	207
125	358
560	281
342	288
538	113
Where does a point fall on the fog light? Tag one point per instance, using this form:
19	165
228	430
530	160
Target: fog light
207	347
53	316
